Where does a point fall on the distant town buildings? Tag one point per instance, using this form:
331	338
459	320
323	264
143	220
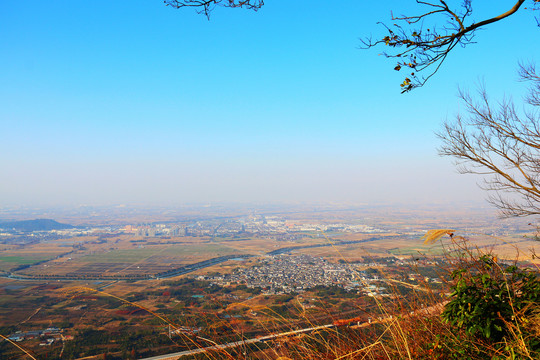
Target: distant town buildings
262	225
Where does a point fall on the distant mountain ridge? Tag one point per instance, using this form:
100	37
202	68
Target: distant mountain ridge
34	225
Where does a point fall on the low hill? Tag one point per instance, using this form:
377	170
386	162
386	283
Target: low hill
34	225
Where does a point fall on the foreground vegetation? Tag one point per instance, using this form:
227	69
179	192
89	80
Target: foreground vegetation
484	308
492	311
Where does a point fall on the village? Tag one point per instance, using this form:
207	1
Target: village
285	274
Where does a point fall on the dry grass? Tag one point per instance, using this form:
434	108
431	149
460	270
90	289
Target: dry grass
401	327
409	328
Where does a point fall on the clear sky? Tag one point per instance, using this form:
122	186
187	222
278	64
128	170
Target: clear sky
107	102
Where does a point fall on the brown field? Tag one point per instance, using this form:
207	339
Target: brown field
125	255
127	259
13	256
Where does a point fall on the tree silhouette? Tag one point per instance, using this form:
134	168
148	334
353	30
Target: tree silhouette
418	49
206	6
502	142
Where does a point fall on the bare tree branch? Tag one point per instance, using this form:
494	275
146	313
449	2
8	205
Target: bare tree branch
501	143
206	6
419	48
416	47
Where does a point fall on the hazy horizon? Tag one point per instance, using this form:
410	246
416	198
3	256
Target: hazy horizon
104	103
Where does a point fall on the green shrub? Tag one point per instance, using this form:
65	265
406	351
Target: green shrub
489	299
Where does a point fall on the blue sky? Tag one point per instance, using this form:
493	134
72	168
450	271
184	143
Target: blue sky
107	102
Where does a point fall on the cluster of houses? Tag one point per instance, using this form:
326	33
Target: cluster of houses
48	336
283	274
